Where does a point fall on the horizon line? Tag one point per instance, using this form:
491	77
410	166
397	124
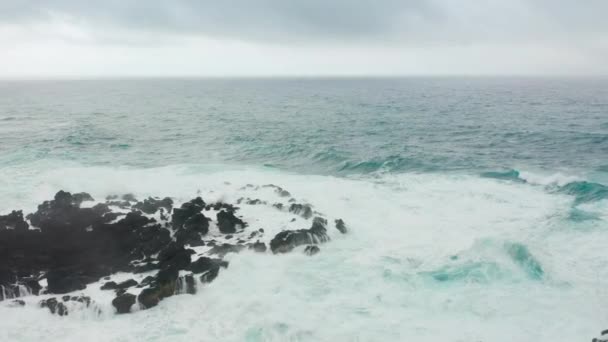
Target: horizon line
292	77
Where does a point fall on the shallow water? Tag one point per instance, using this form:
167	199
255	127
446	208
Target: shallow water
477	208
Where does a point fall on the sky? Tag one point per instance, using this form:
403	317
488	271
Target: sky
233	38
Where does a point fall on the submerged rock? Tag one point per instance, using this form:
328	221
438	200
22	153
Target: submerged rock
258	246
311	250
340	226
303	210
225	248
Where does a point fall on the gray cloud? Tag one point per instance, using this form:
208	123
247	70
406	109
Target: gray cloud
264	20
323	20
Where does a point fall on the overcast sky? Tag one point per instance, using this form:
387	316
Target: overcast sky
76	38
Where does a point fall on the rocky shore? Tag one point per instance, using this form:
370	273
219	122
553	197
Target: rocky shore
141	250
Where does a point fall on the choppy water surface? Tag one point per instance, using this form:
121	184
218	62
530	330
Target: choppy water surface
478	208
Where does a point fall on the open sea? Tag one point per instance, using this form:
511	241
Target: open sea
477	207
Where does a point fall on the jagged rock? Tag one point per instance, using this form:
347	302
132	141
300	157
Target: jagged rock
341	226
14	220
123	303
258	246
73	246
152	205
163	286
187	210
311	250
54	306
205	264
287	240
174	256
228	223
80	197
303	210
146	281
192	230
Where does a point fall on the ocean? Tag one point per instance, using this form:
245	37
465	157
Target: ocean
477	207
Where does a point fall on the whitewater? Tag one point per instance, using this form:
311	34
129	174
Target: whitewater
474	231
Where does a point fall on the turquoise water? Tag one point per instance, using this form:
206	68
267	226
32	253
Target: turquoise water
320	126
477	208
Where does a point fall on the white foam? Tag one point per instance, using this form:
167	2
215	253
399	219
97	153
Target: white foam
365	285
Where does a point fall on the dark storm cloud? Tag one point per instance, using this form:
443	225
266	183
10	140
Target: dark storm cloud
326	20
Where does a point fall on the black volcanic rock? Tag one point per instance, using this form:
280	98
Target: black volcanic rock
71	247
123	303
174	256
227	222
152	205
66	280
287	240
198	223
54	306
163	286
192	230
340	226
110	285
14	220
205	264
186	211
258	246
303	210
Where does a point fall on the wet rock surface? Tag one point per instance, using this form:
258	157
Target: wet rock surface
69	244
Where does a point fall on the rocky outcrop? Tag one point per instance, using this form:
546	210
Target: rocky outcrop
69	246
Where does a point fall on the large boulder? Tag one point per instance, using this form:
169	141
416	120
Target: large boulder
287	240
123	303
186	211
164	285
228	223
